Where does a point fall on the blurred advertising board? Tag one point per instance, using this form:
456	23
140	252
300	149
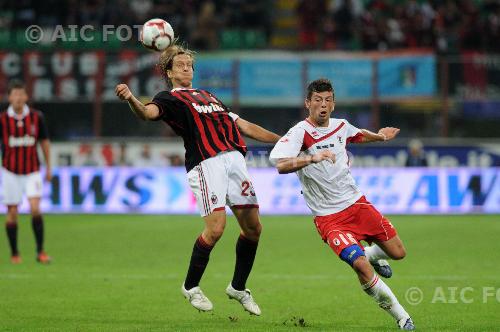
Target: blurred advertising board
253	79
166	191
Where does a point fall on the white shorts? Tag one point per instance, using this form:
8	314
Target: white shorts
220	180
15	185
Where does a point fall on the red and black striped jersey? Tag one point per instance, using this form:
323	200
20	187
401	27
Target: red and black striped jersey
20	135
203	121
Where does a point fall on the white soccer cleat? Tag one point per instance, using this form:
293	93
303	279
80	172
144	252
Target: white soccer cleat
197	299
245	298
406	324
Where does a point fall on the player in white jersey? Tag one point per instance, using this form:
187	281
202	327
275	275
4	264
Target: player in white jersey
316	150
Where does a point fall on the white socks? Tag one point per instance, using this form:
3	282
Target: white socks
383	295
374	253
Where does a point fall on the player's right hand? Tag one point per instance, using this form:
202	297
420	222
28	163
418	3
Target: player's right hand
323	155
123	92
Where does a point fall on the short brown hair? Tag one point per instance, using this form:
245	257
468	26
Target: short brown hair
320	85
15	84
167	59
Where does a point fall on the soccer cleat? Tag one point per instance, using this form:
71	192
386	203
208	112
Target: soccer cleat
16	259
245	298
43	258
197	299
382	267
406	324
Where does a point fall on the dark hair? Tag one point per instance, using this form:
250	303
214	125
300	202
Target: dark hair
320	85
15	84
167	59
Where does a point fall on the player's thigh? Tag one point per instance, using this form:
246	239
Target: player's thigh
13	186
373	225
249	221
34	185
393	247
209	184
241	193
339	240
215	224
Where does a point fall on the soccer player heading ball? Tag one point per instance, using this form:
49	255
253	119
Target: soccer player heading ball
316	150
216	169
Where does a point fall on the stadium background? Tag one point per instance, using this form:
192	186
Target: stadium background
431	68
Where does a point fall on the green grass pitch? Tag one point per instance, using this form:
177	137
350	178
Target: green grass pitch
123	273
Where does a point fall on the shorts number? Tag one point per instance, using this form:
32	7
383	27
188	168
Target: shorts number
247	189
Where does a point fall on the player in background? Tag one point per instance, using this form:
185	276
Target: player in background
316	150
216	169
21	129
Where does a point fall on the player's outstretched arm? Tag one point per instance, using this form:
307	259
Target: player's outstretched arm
384	134
289	165
144	112
256	132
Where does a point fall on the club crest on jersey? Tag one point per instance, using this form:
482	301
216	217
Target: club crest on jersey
315	134
214	199
208	108
340	139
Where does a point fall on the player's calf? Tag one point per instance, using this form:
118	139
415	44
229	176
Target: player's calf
374	287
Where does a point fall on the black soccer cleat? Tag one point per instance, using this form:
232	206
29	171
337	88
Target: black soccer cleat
382	267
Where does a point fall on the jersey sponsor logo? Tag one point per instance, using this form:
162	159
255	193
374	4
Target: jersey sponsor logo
25	140
284	140
207	108
319	147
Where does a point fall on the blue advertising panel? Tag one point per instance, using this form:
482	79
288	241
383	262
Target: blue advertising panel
351	78
216	76
271	82
166	190
407	76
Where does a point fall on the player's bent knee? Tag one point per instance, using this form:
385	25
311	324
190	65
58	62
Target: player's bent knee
351	254
399	254
254	230
214	234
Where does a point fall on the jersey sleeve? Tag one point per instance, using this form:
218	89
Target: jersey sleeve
165	103
354	134
43	132
234	116
288	146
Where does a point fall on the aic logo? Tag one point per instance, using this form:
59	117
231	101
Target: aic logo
207	108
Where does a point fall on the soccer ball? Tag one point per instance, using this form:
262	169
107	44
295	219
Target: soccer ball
157	34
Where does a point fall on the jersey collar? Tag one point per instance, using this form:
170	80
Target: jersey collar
12	114
177	89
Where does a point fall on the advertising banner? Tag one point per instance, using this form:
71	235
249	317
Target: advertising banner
253	81
166	191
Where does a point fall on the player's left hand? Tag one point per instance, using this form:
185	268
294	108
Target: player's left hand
389	132
48	175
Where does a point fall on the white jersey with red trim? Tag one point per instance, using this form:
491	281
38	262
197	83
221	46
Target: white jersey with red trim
327	187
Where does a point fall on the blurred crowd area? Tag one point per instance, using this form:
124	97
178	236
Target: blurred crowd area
117	155
447	26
